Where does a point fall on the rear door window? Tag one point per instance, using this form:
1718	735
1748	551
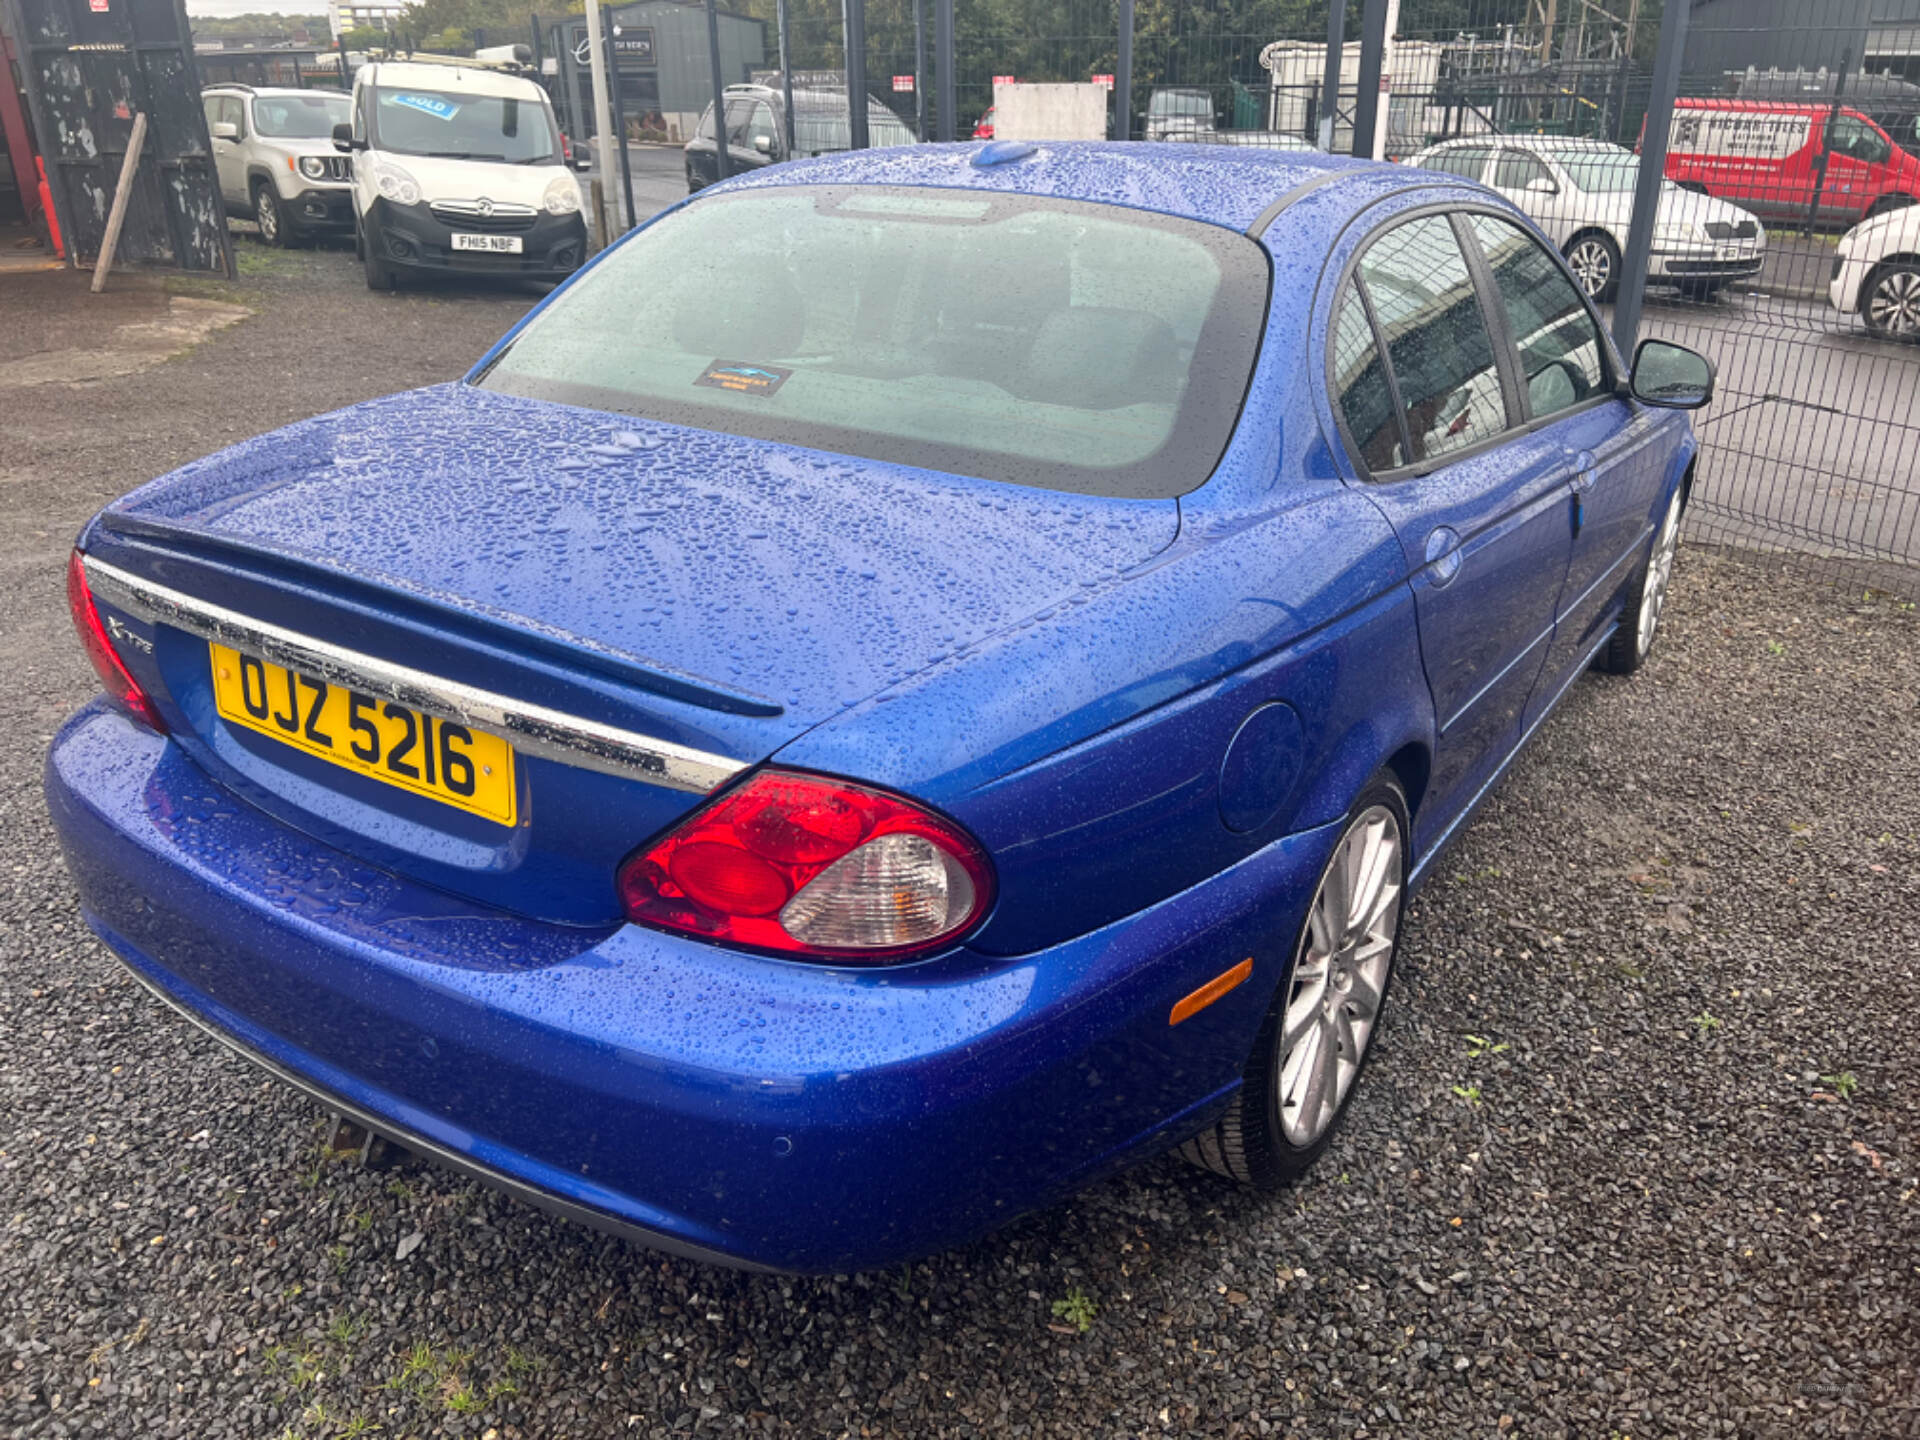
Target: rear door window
1429	314
1517	169
1469	163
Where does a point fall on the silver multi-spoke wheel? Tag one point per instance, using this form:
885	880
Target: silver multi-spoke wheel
1591	260
1339	977
1659	571
1893	307
266	215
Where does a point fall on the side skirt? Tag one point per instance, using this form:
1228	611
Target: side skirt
1419	874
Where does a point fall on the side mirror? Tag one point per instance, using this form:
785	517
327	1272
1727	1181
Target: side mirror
224	130
343	140
582	163
763	143
1540	185
1671	376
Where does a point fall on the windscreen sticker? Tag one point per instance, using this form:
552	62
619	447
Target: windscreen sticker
437	106
742	378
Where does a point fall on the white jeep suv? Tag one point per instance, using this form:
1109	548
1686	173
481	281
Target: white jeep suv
273	151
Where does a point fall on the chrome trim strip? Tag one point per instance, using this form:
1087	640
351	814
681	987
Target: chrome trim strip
530	729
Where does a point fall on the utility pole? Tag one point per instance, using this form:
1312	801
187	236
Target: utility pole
602	110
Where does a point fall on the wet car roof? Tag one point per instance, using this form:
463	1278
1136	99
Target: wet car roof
1226	186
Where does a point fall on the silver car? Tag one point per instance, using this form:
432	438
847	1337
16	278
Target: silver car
1581	193
274	153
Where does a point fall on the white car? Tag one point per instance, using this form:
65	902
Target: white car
273	151
459	169
1581	193
1876	273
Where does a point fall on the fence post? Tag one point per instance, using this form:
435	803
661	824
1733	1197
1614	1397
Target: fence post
597	92
1123	76
1373	55
614	88
1330	76
722	161
1826	141
786	68
943	63
919	75
853	14
1653	170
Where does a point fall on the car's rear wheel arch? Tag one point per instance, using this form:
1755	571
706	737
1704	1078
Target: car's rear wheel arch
1411	764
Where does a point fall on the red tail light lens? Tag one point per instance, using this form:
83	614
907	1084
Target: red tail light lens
106	660
807	865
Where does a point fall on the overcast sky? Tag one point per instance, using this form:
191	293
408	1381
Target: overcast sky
256	7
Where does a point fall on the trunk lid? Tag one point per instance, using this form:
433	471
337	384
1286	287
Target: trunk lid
717	594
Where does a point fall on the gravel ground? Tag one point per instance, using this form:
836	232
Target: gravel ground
1638	1157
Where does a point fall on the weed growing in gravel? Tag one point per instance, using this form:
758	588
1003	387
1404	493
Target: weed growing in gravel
1468	1093
1775	648
1703	1022
417	1372
346	1329
337	1258
1078	1309
361	1220
1843	1084
1478	1045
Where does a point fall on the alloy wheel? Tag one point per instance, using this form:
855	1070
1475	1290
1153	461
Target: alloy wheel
1894	305
267	216
1340	976
1659	572
1592	266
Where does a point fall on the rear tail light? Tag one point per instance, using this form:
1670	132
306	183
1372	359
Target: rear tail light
113	674
810	866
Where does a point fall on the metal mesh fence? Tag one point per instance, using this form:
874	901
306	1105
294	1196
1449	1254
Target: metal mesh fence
1785	243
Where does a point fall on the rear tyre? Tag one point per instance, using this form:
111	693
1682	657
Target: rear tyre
1595	262
1890	301
268	215
1640	622
1307	1060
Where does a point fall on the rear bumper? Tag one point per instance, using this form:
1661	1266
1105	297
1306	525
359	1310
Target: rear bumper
411	237
729	1107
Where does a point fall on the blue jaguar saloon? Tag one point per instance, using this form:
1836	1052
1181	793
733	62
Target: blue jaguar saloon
918	679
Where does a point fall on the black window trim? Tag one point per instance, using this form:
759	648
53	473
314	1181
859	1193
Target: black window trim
1520	422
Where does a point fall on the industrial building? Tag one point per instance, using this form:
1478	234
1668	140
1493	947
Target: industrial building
659	62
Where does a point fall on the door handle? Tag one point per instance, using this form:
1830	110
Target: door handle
1443	555
1586	470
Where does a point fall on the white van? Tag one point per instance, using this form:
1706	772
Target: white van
460	169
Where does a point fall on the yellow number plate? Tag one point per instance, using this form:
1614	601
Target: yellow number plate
468	769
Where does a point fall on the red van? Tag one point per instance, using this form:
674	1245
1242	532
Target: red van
1765	156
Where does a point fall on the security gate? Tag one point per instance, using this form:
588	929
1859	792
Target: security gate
89	67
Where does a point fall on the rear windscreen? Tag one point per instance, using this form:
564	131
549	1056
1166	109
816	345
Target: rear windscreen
1043	342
